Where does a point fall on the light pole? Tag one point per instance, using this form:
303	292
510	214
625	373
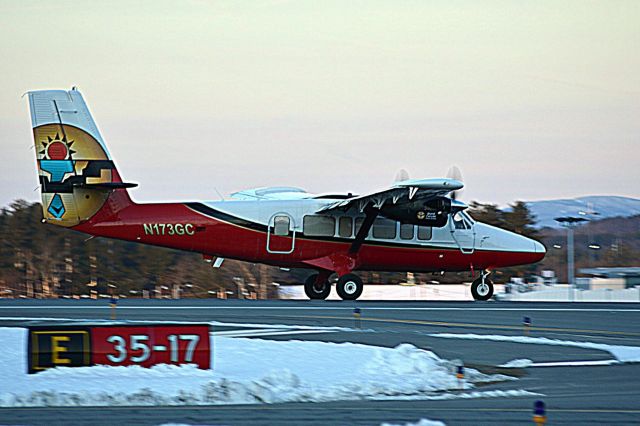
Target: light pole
590	214
570	222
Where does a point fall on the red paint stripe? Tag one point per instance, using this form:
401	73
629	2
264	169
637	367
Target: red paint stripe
122	219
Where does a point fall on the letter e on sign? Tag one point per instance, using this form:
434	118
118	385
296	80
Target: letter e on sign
58	347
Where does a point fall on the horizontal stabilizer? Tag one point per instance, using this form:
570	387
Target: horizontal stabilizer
106	185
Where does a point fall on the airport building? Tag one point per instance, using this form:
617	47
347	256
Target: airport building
609	278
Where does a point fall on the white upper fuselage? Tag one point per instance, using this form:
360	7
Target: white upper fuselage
261	208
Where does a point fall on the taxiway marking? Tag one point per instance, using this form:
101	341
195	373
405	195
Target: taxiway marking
473	325
330	308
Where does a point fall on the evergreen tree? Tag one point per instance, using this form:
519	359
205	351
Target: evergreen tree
519	219
487	213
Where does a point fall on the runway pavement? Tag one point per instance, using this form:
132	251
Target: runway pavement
573	394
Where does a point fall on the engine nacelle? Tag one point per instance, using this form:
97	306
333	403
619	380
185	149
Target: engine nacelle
432	212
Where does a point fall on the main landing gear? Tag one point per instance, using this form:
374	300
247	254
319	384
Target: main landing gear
349	287
317	287
482	287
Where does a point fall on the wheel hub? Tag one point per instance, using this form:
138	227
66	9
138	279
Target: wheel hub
318	288
483	289
350	287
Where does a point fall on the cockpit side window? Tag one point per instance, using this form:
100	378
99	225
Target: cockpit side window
425	232
459	222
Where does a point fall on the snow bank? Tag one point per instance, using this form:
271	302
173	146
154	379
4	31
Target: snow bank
246	371
621	353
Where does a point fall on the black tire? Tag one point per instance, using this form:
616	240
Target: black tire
312	292
480	292
349	287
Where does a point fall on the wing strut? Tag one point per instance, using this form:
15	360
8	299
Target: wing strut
371	215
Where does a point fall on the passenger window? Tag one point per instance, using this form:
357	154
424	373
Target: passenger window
320	226
384	228
359	222
345	227
406	231
281	225
424	232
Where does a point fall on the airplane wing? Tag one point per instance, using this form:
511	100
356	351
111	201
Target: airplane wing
272	193
403	192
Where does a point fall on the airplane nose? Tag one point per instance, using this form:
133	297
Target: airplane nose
539	247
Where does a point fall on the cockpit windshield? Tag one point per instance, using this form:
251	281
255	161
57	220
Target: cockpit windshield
468	217
462	221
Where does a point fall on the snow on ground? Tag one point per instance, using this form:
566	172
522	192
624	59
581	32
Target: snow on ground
395	292
246	371
621	353
421	422
565	293
518	363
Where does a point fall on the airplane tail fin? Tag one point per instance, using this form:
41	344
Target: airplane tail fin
77	175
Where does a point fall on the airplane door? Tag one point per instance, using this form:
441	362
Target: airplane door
463	233
281	235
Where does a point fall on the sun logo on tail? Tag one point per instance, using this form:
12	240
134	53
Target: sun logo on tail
72	164
56	159
56	148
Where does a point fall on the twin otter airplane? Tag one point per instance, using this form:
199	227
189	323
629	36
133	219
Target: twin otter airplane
415	225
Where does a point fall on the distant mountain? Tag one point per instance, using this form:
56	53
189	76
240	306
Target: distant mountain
605	206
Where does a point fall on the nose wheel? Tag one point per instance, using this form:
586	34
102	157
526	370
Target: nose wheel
349	287
482	287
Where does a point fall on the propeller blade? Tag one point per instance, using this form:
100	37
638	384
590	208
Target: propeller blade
401	175
455	173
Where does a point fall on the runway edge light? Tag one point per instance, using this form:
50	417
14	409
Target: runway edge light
539	413
526	323
460	375
356	316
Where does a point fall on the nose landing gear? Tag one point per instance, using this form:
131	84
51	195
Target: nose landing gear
482	287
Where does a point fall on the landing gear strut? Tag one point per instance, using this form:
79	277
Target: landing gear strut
349	287
482	287
317	287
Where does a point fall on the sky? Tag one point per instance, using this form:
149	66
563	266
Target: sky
531	100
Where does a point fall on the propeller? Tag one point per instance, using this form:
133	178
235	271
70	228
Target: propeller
455	173
401	175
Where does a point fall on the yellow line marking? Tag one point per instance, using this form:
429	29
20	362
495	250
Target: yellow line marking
310	407
473	325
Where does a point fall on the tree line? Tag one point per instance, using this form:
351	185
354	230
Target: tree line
41	260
